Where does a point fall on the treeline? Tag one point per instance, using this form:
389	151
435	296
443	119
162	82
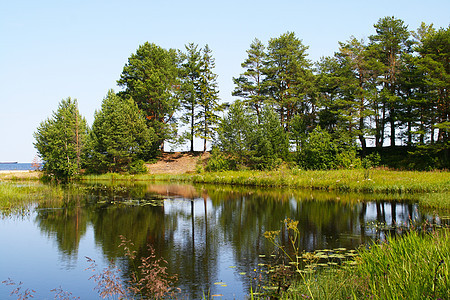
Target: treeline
391	90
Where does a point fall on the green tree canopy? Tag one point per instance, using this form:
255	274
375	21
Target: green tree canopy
60	141
289	78
249	84
208	101
151	78
236	132
119	137
191	68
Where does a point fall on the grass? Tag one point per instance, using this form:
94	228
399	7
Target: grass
18	196
357	180
431	189
20	175
413	266
439	201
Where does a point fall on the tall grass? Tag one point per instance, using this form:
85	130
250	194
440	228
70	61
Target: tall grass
440	201
357	180
342	180
17	196
414	266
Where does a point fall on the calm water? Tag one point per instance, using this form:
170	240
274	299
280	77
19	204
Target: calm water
207	234
16	167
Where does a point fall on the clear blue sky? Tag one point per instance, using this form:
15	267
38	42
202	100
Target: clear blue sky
50	50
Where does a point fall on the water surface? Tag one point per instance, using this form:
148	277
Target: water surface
207	234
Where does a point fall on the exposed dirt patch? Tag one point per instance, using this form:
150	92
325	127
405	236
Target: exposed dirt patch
178	163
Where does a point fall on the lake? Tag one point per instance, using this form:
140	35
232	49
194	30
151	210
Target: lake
211	236
16	167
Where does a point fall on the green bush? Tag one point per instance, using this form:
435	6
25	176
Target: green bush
218	161
137	167
320	151
370	161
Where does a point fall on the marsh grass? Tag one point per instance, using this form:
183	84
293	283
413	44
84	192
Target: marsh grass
340	180
439	201
415	265
20	175
16	197
357	180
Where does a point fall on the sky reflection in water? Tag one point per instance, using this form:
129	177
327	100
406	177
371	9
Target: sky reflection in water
207	234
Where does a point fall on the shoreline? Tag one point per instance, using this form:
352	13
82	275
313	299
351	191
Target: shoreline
20	175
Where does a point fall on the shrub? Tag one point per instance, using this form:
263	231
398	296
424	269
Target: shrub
137	167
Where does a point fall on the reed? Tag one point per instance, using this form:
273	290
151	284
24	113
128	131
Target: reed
356	180
413	266
439	201
18	196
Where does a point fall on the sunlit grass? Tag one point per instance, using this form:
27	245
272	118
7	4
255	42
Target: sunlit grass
414	266
357	180
16	196
431	188
440	201
20	175
341	180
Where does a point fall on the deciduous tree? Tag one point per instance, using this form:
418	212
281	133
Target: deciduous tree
60	141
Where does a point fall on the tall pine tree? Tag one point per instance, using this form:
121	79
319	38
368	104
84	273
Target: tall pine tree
249	84
191	69
208	103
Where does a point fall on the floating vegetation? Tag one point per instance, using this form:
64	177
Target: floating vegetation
134	202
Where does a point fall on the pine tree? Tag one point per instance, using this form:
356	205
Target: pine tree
190	87
389	44
359	85
119	136
289	78
236	132
151	78
249	84
208	103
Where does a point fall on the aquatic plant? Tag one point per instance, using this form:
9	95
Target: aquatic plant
414	266
19	291
150	279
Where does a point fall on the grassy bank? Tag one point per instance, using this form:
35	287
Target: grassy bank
358	180
430	189
415	266
17	196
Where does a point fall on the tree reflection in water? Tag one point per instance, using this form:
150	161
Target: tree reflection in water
204	230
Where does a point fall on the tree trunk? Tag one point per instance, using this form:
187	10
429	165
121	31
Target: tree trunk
192	129
392	121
